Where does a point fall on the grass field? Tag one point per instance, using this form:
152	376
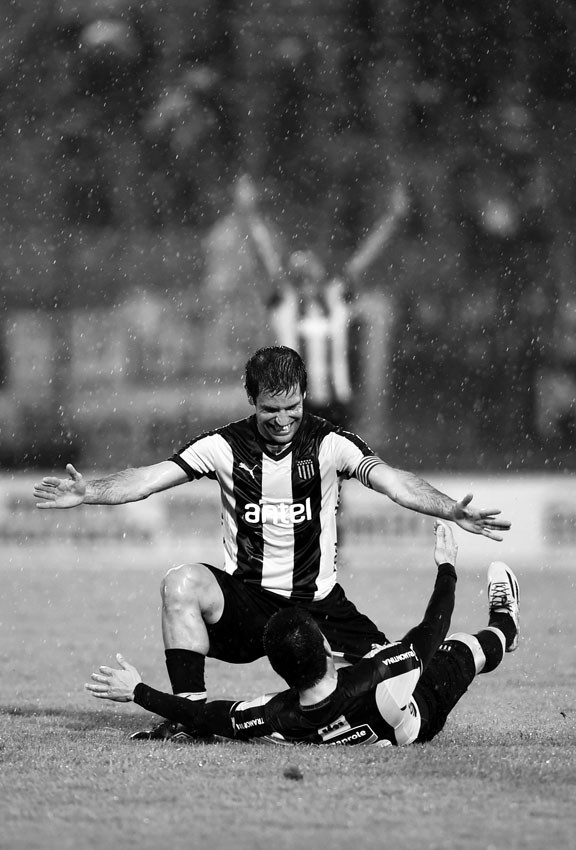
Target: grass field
501	775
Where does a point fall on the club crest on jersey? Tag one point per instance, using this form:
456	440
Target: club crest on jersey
305	469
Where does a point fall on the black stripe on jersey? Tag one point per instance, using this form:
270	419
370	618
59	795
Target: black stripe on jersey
307	534
247	487
307	486
395	659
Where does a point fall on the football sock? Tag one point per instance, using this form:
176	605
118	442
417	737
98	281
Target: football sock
503	621
492	640
186	673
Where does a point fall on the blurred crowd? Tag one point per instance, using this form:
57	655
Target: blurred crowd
130	131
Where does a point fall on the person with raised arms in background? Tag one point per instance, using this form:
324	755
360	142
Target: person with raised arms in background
279	471
315	312
397	694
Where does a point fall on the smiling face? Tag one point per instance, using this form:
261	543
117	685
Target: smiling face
278	416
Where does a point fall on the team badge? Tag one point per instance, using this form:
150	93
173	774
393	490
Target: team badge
305	469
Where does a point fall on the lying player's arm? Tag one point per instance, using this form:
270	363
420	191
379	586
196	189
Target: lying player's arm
212	718
411	491
129	485
227	718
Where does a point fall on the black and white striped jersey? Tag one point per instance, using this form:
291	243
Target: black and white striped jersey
279	510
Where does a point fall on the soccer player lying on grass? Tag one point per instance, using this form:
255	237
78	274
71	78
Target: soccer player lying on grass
397	694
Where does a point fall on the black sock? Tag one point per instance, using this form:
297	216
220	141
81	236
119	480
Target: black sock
503	621
491	647
185	671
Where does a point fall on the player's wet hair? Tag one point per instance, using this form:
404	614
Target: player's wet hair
274	370
295	647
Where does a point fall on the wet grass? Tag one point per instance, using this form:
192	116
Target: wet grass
501	775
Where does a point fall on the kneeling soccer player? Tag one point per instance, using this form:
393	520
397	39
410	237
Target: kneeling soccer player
397	694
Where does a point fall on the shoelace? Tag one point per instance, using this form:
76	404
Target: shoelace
499	595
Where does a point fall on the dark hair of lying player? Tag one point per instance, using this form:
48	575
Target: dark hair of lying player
296	648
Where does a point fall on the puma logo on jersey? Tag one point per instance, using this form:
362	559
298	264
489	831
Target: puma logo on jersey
283	513
248	469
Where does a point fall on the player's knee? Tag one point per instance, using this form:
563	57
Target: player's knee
473	644
184	586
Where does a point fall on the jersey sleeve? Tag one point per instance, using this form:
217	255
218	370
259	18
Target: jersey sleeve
351	455
174	708
203	456
250	718
242	720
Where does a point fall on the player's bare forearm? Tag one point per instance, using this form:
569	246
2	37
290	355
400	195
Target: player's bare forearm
129	485
117	488
133	485
412	492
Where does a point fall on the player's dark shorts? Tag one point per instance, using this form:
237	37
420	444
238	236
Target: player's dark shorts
442	684
237	636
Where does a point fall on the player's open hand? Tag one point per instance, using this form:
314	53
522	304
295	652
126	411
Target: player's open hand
478	521
111	683
61	492
446	548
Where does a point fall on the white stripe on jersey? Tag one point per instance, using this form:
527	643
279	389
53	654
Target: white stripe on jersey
211	453
224	471
278	554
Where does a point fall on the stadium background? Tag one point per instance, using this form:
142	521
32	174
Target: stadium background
130	301
125	126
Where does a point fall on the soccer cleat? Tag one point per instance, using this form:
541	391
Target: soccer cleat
504	596
167	731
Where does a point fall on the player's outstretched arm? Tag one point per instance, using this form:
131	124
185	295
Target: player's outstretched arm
415	493
124	684
130	485
115	684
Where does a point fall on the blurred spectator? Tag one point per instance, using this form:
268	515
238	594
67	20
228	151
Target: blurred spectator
189	147
312	311
556	407
556	381
233	312
312	314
